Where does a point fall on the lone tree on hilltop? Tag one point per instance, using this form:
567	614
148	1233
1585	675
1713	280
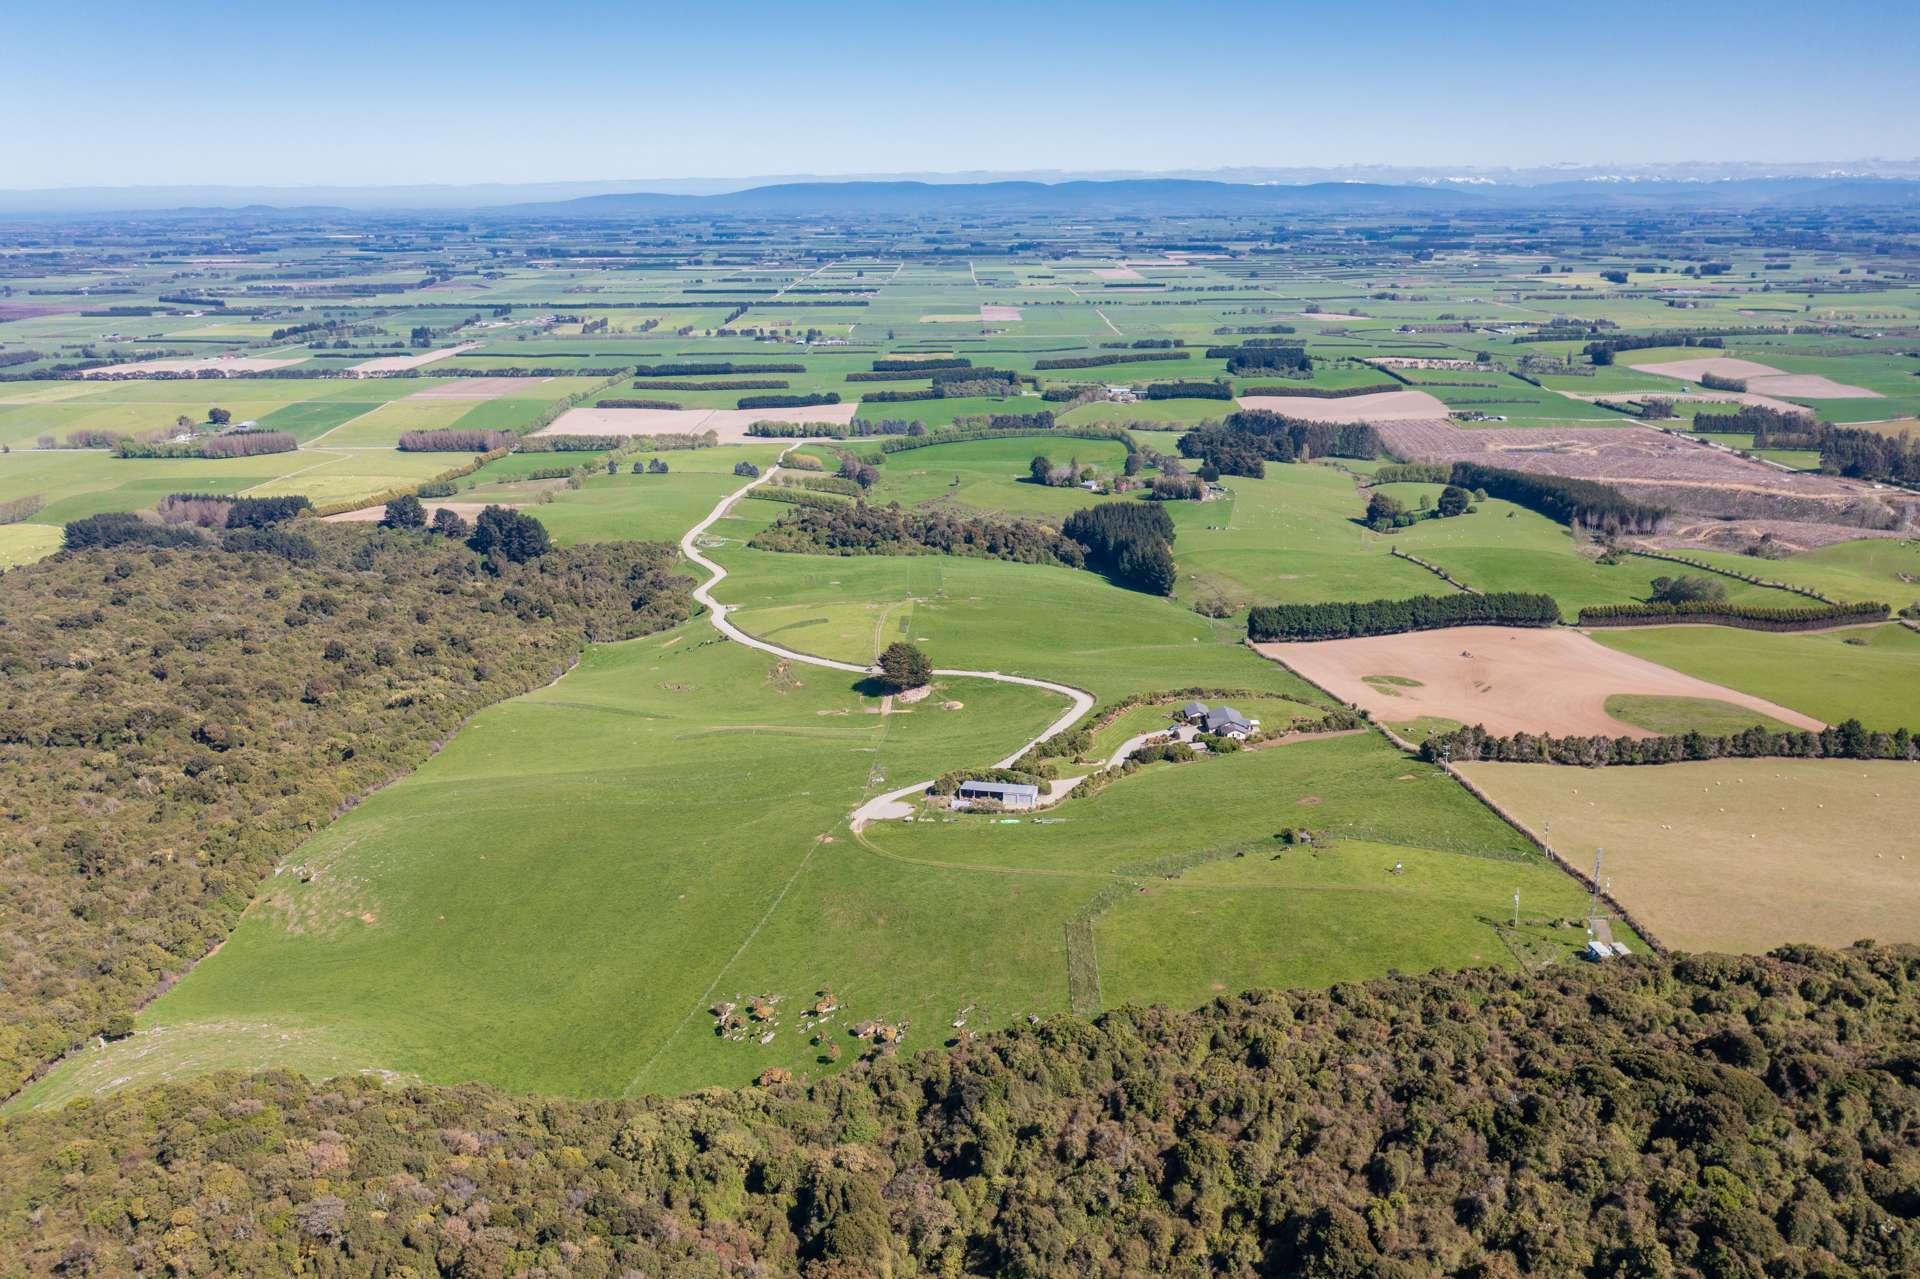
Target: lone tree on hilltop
404	512
903	666
1454	501
509	534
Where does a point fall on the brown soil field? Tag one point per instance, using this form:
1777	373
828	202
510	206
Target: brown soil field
1762	379
477	388
1508	679
401	363
1735	855
729	424
1117	273
1383	406
1335	316
1658	467
1001	314
227	364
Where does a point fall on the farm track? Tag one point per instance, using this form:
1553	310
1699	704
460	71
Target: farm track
893	803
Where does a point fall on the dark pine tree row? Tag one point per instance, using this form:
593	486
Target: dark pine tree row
1341	619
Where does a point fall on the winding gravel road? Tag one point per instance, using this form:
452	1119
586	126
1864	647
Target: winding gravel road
895	803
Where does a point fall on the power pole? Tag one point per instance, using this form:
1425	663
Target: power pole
1593	907
1516	908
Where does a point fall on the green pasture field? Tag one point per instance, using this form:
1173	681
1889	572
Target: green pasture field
441	931
25	543
1869	673
1885	569
1676	715
1499	546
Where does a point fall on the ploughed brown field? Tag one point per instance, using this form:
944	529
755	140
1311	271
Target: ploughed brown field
1384	406
1763	379
1506	679
729	424
477	388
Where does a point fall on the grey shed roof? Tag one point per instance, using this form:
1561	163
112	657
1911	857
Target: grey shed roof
1194	708
1007	789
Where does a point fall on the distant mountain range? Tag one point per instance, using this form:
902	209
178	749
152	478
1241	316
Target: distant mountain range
998	196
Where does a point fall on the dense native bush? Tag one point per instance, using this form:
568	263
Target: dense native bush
452	441
218	706
1342	619
1588	503
1131	542
848	528
1246	440
122	528
1702	1116
1849	740
1761	617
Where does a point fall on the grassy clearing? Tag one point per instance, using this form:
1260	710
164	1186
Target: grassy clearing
1737	855
1868	673
1675	715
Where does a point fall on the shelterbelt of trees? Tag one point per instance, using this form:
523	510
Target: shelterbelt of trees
1848	740
1703	1116
175	718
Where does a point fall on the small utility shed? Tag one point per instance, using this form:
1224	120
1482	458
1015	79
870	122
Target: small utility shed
1194	712
1005	794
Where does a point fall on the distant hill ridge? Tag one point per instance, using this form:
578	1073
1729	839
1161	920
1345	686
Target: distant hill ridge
1088	197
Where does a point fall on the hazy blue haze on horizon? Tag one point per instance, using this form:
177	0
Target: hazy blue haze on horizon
357	93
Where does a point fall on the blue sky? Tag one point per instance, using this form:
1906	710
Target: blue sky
131	94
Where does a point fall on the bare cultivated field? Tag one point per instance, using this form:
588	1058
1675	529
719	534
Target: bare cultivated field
370	514
1507	679
1117	273
1737	535
477	388
224	363
1654	466
729	424
1762	379
1383	406
1736	855
401	363
1001	314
